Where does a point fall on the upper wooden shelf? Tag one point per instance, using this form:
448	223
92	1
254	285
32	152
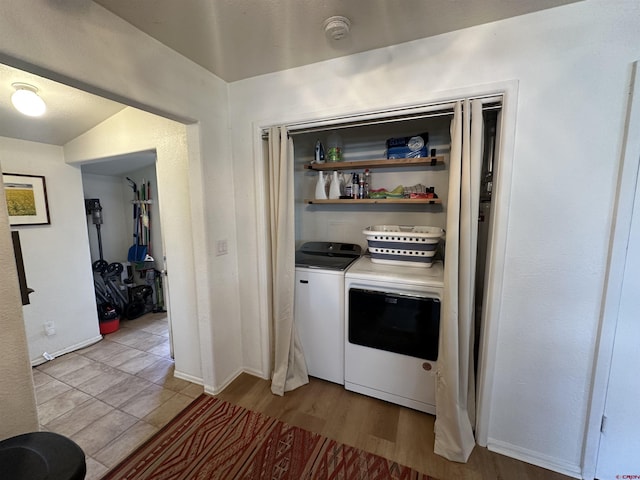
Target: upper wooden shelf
378	163
409	201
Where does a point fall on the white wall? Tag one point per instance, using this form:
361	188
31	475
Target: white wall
90	48
572	65
56	257
115	232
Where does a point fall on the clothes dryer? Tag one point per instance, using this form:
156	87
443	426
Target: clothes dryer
392	329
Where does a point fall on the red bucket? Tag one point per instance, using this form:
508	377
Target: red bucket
109	326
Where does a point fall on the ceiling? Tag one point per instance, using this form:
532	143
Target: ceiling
70	112
121	165
238	39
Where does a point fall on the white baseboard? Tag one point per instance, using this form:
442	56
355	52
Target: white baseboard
535	458
216	390
187	377
40	360
219	388
257	373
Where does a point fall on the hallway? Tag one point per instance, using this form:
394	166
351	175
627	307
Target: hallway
113	395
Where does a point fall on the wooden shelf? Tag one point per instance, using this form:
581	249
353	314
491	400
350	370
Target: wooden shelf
410	201
378	163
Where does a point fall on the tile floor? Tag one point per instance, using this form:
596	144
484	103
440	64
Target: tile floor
113	395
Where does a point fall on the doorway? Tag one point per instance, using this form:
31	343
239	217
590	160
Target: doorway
497	227
126	232
83	127
611	441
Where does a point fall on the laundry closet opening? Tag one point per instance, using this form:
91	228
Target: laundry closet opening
341	217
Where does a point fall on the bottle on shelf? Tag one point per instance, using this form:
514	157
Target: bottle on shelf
321	187
355	186
319	153
367	183
348	186
335	190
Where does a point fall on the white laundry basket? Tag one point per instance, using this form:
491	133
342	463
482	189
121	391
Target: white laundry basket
409	245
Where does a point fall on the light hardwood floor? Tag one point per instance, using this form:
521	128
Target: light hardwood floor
113	395
394	432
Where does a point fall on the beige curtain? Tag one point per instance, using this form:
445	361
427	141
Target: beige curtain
289	369
455	387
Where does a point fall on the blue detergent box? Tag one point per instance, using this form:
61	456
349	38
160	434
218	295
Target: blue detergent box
406	152
408	147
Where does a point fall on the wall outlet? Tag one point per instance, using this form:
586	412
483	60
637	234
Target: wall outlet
221	247
49	328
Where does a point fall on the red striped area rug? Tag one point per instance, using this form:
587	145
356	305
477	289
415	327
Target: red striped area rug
213	439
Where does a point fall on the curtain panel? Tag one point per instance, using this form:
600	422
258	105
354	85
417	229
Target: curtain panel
289	369
455	382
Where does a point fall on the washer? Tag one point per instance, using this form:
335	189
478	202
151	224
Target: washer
392	330
319	305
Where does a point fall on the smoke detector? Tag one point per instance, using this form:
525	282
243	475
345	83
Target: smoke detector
337	27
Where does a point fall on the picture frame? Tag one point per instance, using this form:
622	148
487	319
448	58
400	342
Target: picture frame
26	199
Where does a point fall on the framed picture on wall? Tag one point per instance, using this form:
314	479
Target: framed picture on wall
26	199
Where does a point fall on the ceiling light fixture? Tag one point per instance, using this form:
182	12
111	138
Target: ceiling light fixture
336	28
27	101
